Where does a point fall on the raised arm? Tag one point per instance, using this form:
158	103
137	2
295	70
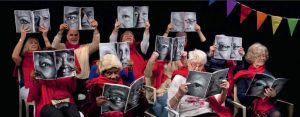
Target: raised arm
201	35
114	34
16	53
146	36
169	28
149	68
57	39
94	46
44	31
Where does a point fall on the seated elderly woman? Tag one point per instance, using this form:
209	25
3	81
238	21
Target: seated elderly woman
257	56
109	67
187	105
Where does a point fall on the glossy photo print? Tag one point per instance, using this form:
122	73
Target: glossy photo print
72	17
125	16
163	47
41	18
44	65
107	48
140	16
228	47
23	17
199	83
183	21
124	53
87	15
134	93
116	97
178	47
65	63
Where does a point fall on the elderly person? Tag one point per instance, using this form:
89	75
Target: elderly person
187	105
109	67
256	56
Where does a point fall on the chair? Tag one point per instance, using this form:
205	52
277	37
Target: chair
23	97
290	106
171	112
236	100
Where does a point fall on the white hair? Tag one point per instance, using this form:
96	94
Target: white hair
109	61
198	56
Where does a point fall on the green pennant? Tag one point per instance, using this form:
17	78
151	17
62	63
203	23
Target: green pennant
292	24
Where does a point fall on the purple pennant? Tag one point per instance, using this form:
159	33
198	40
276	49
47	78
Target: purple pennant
230	5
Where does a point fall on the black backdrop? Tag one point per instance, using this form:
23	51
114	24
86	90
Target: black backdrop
283	48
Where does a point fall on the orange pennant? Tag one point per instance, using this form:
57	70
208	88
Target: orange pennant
245	11
261	17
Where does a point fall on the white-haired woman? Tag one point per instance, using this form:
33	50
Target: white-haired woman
187	105
256	56
109	67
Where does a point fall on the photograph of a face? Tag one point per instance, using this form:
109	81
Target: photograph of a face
107	48
134	93
72	17
79	18
117	97
163	47
133	16
50	65
124	53
262	81
32	19
228	47
216	80
183	21
140	16
199	83
178	47
150	94
87	15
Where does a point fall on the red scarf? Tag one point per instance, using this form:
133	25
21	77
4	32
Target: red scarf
70	46
260	105
101	80
158	73
139	62
27	68
183	71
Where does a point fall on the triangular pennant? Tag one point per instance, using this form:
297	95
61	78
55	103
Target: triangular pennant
245	11
276	20
261	17
230	5
210	2
292	24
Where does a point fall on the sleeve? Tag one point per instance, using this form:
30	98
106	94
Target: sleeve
93	72
145	43
89	107
94	46
176	82
57	42
242	86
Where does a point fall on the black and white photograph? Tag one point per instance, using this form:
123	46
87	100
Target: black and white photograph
125	16
262	81
183	21
123	52
87	15
177	47
41	18
107	48
163	47
72	17
32	19
23	17
217	78
65	63
190	21
134	93
227	47
116	97
199	83
150	94
50	65
140	16
44	65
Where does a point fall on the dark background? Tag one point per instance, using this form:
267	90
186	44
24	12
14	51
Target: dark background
213	20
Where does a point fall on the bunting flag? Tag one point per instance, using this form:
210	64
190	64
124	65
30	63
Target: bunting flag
261	17
292	24
276	20
230	5
210	2
245	11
